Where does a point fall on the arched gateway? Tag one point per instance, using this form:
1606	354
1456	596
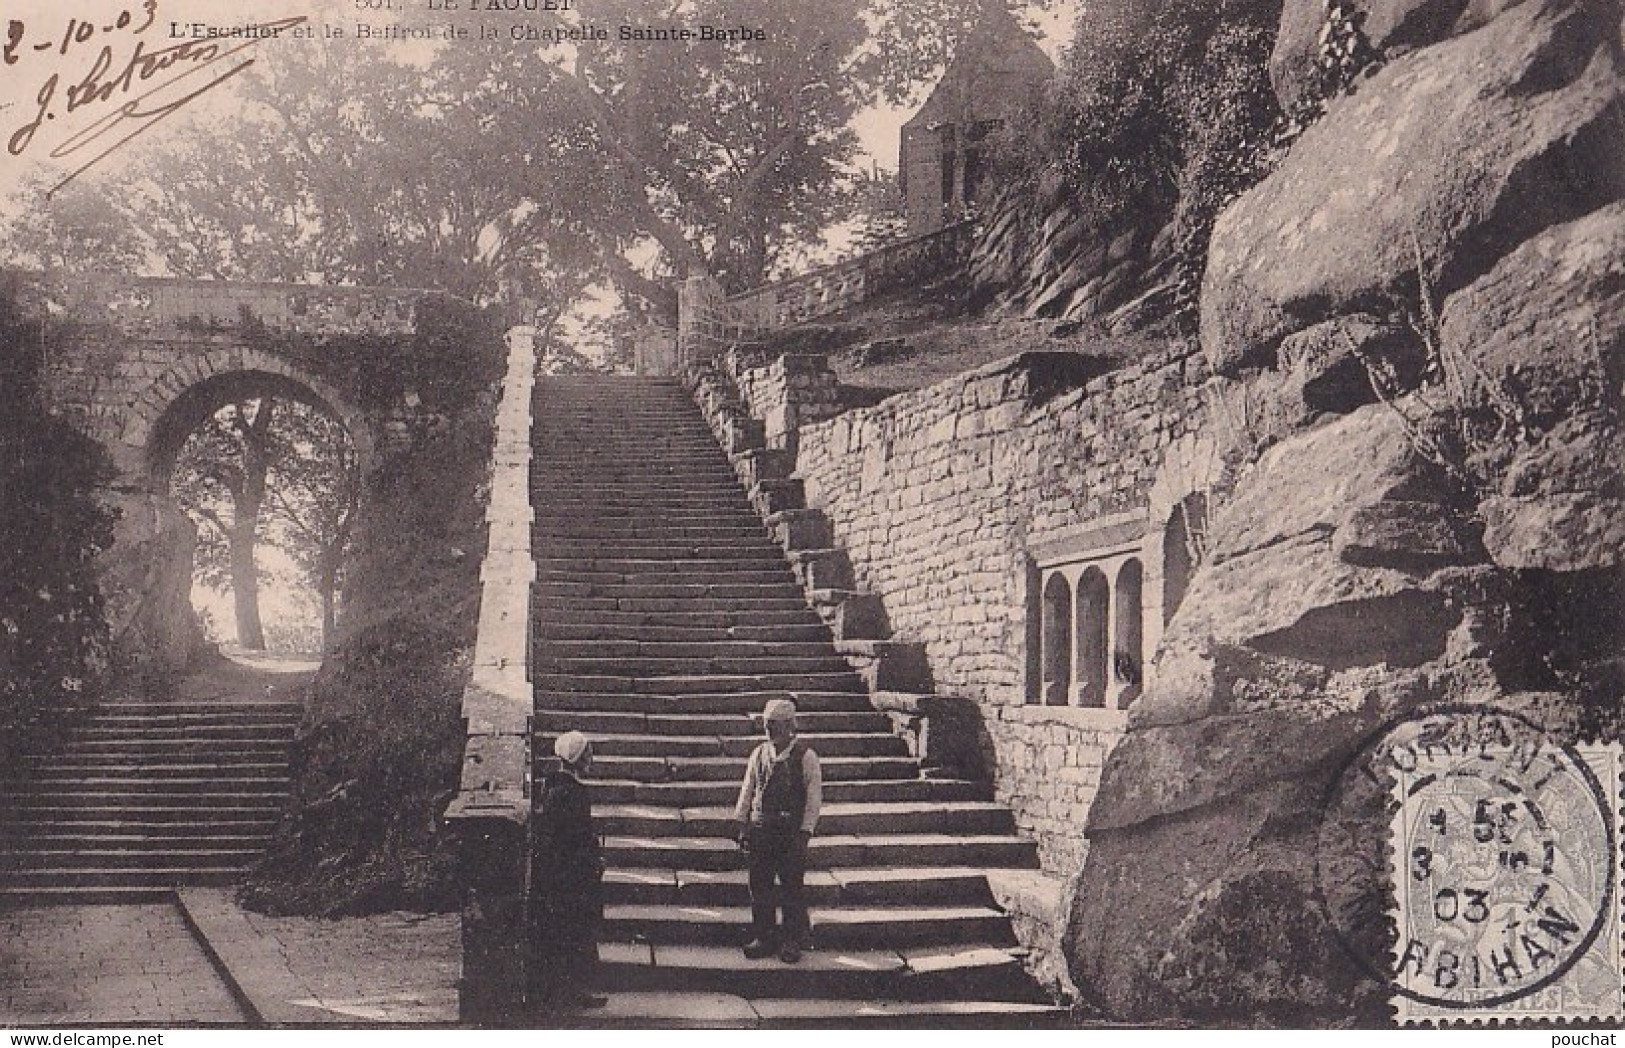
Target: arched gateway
138	363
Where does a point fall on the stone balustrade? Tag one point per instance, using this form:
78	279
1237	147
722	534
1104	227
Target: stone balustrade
159	307
491	811
710	320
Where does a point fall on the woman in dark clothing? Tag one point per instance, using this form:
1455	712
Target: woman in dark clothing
566	875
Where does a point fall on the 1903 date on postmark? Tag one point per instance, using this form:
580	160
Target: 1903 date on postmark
1505	868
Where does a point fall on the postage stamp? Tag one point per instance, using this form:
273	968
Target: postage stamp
1505	867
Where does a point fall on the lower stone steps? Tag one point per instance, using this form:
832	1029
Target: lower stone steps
683	685
969	971
838	819
140	797
851	886
555	722
605	790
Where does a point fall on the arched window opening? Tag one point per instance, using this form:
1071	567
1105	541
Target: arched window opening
1057	641
1094	601
1128	635
1183	548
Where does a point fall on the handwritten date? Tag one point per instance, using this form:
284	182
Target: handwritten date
142	88
76	32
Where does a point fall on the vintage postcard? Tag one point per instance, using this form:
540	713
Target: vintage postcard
1088	515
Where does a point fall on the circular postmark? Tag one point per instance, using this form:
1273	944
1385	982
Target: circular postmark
1466	859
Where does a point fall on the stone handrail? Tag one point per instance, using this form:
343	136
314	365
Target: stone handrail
491	811
168	305
708	319
843	284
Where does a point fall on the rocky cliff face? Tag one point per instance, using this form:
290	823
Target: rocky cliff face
1434	513
146	580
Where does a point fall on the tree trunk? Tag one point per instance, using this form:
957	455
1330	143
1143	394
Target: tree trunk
245	582
328	587
245	524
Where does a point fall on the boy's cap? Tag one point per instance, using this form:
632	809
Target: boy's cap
778	710
570	746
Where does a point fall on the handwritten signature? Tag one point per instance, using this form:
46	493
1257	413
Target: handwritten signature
202	66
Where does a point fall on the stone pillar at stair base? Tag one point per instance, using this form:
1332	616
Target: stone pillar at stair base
492	851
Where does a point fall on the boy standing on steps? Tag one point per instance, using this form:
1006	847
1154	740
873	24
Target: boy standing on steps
776	815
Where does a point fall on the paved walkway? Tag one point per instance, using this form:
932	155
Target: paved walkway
107	965
388	968
142	964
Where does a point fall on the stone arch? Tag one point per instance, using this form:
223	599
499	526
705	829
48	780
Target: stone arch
1090	642
174	403
1056	657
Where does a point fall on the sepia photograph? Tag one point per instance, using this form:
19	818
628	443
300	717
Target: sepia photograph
1103	517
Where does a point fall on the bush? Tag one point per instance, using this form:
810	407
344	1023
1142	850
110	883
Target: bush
1163	113
378	757
53	631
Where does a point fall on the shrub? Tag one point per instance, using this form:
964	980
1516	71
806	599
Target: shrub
53	631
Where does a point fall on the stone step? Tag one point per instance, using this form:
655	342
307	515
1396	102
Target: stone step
704	1010
67	768
741	594
871	744
96	856
626	534
125	850
123	878
658	550
665	572
745	701
710	684
42	824
711	769
826	851
959	885
148	720
550	620
614	648
553	722
674	606
699	667
15	897
833	927
632	507
204	789
957	972
714	793
717	481
140	746
639	820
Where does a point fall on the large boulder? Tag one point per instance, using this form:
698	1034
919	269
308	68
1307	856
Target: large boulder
1389	25
1310	623
1542	339
146	582
1462	151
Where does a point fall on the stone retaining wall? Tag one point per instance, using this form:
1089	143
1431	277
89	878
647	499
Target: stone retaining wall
943	496
786	392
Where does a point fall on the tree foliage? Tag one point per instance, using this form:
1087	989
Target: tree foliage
54	640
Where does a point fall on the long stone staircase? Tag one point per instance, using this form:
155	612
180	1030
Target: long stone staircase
664	619
141	797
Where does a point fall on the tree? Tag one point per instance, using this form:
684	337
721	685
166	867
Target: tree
269	468
314	487
79	227
220	477
719	155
